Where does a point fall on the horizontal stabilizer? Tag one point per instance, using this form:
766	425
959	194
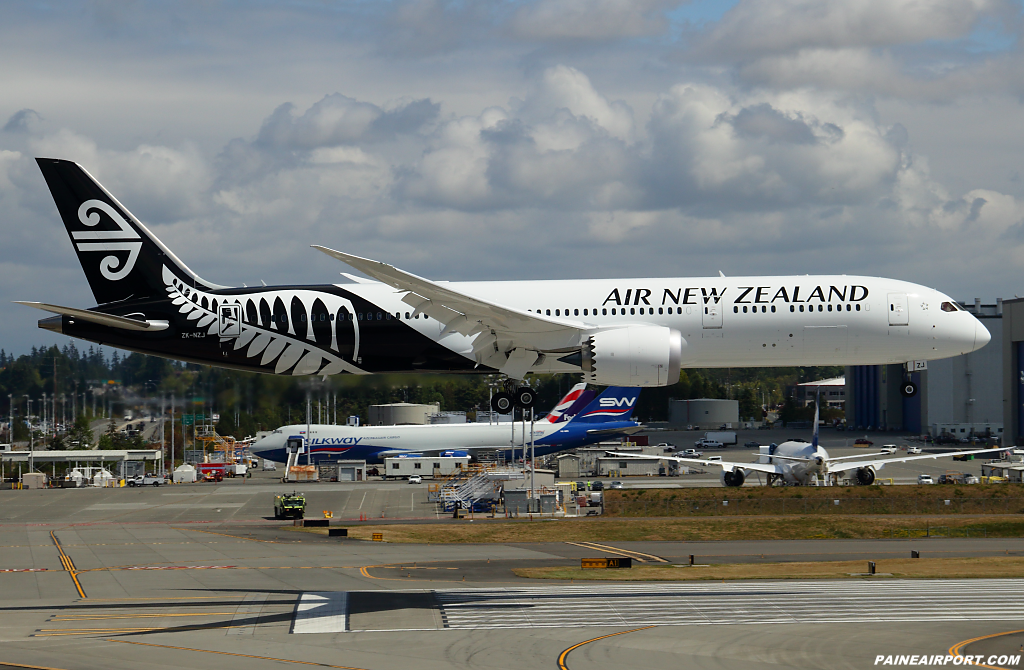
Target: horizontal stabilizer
616	431
98	317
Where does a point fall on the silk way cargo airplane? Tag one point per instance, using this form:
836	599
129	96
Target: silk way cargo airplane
579	419
802	463
618	332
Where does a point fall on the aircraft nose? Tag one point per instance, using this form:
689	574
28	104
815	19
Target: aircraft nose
981	335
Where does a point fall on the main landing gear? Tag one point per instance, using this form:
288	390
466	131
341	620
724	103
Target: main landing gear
512	396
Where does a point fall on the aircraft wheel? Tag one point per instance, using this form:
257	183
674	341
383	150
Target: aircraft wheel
501	403
908	389
525	397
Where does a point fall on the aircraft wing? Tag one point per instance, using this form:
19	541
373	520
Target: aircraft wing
497	329
728	466
882	462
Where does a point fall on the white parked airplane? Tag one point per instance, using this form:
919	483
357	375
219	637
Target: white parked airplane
621	332
803	463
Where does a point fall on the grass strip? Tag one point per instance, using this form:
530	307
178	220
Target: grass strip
989	567
700	529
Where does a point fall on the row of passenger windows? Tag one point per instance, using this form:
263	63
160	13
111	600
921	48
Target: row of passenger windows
793	308
615	311
345	316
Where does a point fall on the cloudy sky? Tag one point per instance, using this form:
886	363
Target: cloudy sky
533	139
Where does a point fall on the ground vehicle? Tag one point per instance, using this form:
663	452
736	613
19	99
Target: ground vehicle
289	506
863	440
705	443
888	449
753	444
616	485
723	436
971	479
415	479
581	486
146	480
913	450
925	479
691	453
597	485
964	457
714	458
213	476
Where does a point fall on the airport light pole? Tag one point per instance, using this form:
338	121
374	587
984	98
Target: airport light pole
31	435
10	424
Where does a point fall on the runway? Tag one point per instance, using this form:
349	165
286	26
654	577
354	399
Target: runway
700	604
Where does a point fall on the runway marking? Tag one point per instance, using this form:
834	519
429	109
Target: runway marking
24	569
723	603
83	617
228	653
955	649
565	654
321	612
237	537
32	667
68	564
628	553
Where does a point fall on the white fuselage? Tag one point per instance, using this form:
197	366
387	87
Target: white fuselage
735	321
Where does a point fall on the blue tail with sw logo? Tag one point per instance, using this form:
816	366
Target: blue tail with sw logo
616	403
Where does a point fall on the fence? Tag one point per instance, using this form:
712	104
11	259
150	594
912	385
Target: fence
779	506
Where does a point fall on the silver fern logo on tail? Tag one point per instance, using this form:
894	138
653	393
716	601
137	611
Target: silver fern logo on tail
111	267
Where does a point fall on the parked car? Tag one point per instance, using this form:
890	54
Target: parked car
888	449
715	458
863	440
913	450
692	453
581	486
597	485
616	485
971	479
925	479
753	444
415	479
704	443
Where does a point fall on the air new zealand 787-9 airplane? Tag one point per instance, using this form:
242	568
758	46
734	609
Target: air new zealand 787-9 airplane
622	332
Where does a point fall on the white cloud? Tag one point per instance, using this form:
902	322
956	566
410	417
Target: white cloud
765	27
587	20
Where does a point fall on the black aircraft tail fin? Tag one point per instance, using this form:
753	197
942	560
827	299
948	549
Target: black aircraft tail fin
120	257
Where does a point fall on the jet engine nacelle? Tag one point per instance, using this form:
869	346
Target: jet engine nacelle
865	476
634	356
734	478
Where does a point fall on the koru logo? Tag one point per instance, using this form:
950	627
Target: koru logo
115	240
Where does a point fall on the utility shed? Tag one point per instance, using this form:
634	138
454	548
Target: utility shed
623	466
568	466
403	467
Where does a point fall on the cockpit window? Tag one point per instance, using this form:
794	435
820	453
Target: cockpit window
948	307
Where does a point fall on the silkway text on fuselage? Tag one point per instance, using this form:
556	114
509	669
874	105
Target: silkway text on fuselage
761	295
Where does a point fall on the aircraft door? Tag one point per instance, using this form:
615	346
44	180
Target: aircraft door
229	318
899	309
712	315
